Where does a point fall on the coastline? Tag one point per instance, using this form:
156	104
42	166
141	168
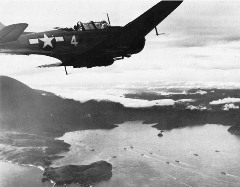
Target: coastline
138	130
10	175
34	140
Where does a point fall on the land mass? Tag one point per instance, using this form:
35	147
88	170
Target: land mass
31	120
83	175
30	149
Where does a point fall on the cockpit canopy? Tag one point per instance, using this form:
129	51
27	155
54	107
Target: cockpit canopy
91	26
87	26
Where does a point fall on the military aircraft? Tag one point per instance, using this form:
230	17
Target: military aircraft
86	44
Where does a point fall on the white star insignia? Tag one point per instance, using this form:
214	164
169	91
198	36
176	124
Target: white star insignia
47	41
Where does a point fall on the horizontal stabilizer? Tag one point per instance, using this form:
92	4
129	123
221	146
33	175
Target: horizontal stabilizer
1	26
12	32
51	65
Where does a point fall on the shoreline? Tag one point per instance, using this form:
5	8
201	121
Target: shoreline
16	175
130	125
27	166
22	165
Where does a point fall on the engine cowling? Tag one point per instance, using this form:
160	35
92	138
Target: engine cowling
137	45
101	62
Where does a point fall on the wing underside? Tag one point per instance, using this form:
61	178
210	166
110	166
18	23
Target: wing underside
145	23
51	65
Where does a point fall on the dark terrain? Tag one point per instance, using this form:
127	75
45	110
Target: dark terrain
30	120
181	114
84	175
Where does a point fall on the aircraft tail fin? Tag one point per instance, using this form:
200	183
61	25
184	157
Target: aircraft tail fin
145	23
12	32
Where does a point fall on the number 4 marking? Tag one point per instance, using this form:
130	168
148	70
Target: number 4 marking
74	41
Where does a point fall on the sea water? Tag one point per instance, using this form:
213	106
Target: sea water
193	156
12	175
198	156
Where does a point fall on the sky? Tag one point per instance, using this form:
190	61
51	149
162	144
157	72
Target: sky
201	44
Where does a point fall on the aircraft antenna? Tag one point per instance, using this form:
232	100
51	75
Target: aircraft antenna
108	19
66	70
158	33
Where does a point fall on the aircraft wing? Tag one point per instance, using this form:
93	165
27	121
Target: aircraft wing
145	23
51	65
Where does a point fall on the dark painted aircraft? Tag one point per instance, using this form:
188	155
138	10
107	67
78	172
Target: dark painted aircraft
86	44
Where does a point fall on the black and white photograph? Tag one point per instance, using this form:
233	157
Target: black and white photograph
120	93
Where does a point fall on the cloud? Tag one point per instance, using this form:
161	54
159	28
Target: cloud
115	95
225	100
201	108
200	92
229	38
230	106
203	23
197	40
185	101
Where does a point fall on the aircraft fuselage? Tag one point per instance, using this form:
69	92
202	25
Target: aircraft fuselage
71	46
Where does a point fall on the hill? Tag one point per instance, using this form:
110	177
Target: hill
27	110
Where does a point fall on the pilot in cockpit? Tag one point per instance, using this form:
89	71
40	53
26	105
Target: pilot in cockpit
104	24
78	26
90	26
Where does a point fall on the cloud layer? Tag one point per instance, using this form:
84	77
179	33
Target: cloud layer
225	101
